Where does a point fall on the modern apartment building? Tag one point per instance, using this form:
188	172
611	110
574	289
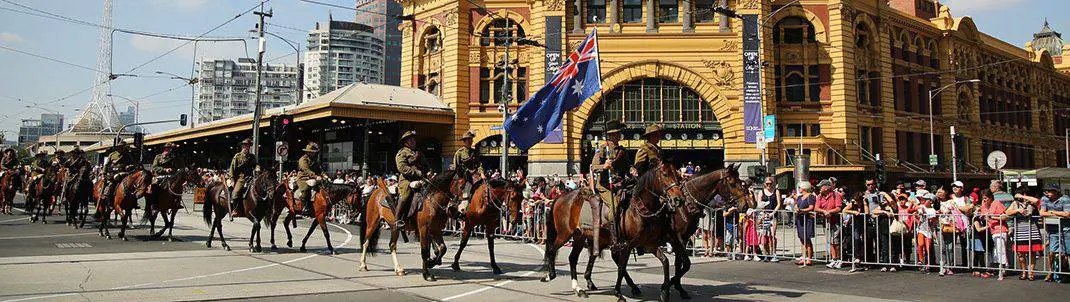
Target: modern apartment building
227	88
341	53
32	129
376	13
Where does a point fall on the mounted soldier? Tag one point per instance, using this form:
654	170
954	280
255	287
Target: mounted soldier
76	160
466	163
649	155
309	173
39	166
164	165
119	163
413	169
610	169
59	160
10	163
242	167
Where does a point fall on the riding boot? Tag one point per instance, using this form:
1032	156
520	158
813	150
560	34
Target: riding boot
401	213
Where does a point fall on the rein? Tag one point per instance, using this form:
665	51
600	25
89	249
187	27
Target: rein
644	212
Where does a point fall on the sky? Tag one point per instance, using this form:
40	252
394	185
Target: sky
26	80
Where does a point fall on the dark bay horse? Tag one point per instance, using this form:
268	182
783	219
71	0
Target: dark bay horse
77	192
39	195
166	199
368	225
127	192
490	202
436	198
563	223
327	196
257	203
216	207
699	197
9	185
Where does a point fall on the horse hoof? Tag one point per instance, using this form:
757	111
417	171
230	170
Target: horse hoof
664	296
289	244
124	238
685	295
208	245
621	299
591	286
430	278
362	268
456	267
545	279
581	293
302	249
274	248
497	271
227	247
170	239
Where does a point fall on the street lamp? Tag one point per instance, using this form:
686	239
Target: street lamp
299	79
932	134
192	95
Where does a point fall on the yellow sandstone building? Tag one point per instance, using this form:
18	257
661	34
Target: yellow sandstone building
847	80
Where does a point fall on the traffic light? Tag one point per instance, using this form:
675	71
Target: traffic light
280	125
139	140
182	120
881	171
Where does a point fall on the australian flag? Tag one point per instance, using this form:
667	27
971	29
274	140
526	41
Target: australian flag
578	79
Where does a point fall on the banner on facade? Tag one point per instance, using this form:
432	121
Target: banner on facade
752	89
552	62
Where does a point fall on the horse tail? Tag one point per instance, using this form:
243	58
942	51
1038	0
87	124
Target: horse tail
207	209
551	232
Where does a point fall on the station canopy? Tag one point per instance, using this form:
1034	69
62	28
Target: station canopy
357	101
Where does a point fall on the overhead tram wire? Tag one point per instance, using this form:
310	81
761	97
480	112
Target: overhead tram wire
69	63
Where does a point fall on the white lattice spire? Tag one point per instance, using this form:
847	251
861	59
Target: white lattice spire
99	115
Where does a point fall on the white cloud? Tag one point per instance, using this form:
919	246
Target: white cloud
181	4
204	49
965	7
10	37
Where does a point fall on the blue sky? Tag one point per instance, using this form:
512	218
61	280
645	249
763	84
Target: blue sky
36	80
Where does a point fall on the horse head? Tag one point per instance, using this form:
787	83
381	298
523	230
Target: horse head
514	198
724	182
659	186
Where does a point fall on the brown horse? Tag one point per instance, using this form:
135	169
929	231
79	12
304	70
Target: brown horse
76	193
368	225
699	194
9	185
166	199
563	223
328	196
127	192
490	201
216	207
103	204
39	196
257	203
431	219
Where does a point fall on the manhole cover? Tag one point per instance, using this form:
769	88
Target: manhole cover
73	245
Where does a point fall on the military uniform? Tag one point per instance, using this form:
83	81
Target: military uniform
649	155
10	163
242	166
466	162
164	164
308	170
610	180
411	166
39	166
119	163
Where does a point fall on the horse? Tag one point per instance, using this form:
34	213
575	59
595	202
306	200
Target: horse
368	226
431	219
103	205
563	223
76	193
283	198
127	192
166	199
9	185
327	196
216	202
699	193
490	201
39	195
257	203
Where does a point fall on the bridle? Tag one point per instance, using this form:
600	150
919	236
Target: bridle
689	196
665	200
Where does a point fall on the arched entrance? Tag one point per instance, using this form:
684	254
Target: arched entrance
692	132
491	150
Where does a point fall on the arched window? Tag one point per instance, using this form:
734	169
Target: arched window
430	61
866	66
499	35
654	101
794	30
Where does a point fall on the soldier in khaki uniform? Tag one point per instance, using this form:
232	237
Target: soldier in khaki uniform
164	164
59	160
466	162
610	168
242	166
39	166
649	155
308	174
10	163
119	163
412	166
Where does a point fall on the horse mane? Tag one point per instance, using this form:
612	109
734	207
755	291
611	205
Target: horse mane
334	189
649	178
441	182
497	183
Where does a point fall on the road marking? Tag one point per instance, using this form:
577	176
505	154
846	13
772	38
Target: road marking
46	236
499	284
16	219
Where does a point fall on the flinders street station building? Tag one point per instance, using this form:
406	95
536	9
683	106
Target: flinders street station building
848	81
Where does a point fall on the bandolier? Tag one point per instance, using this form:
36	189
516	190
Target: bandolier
466	162
242	167
649	155
412	166
611	168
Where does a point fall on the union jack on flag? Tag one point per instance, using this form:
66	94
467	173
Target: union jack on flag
578	78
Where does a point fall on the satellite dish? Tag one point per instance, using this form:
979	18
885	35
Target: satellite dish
997	159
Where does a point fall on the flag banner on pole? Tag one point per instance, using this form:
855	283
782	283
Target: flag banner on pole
578	79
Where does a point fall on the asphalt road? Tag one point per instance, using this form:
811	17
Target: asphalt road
54	262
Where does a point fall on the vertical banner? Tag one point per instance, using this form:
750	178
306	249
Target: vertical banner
552	62
752	87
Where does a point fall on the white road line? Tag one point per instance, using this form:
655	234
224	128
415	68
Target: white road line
46	236
349	237
499	284
16	219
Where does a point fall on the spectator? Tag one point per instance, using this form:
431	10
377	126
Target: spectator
925	229
952	225
901	229
804	222
966	207
997	227
978	245
856	219
1055	210
878	207
769	203
829	204
1027	238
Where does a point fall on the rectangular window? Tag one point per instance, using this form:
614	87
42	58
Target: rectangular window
652	96
633	104
862	87
522	84
596	11
633	11
814	83
703	11
668	11
815	129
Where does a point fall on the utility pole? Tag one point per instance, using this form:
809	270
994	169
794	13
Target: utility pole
506	66
954	158
257	111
